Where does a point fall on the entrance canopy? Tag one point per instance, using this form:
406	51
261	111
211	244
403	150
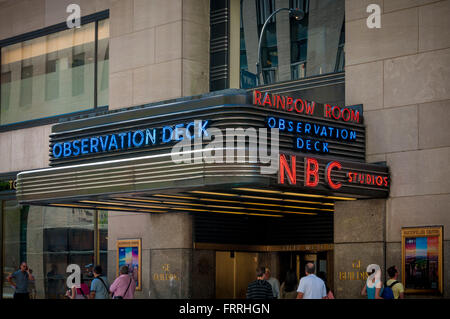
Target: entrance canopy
232	153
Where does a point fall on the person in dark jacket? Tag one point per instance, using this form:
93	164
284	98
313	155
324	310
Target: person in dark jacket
260	288
288	289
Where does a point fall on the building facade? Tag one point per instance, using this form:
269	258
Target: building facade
161	62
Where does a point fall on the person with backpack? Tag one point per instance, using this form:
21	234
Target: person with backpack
394	289
374	290
99	286
124	285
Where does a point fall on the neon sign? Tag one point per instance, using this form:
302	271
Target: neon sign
311	129
300	106
312	177
367	179
129	139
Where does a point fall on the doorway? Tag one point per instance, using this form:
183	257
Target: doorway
234	271
297	260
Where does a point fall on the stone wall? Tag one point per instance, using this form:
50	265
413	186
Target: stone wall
158	50
359	239
401	73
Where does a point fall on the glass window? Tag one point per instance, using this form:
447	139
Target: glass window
291	49
103	239
55	74
49	239
103	63
15	229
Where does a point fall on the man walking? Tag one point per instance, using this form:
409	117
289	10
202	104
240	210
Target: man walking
397	287
99	286
273	282
124	285
311	286
260	288
22	279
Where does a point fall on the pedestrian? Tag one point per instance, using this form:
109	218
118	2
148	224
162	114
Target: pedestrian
288	289
22	279
32	286
323	276
396	286
260	288
124	285
311	286
52	282
81	292
374	289
273	282
99	286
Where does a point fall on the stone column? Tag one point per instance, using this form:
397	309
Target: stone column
35	246
359	240
283	41
250	33
324	31
167	252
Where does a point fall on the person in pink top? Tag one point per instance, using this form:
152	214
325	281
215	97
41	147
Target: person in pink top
124	285
78	293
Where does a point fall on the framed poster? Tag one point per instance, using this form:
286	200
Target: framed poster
129	253
422	259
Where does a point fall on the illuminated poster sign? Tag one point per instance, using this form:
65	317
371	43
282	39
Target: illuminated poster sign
129	139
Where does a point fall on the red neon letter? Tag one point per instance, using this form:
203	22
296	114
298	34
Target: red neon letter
310	108
355	116
336	108
295	105
289	104
327	110
257	97
330	166
350	179
267	99
309	172
379	180
281	100
346	119
292	174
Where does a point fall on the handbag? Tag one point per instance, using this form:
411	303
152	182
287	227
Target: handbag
82	292
121	297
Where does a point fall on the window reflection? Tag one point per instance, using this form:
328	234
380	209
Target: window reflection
291	49
49	239
54	74
103	63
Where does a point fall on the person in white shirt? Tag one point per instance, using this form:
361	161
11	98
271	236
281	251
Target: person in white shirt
273	282
311	286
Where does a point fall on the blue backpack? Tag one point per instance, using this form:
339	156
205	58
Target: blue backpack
387	291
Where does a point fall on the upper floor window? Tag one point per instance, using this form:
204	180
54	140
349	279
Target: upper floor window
54	74
291	49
